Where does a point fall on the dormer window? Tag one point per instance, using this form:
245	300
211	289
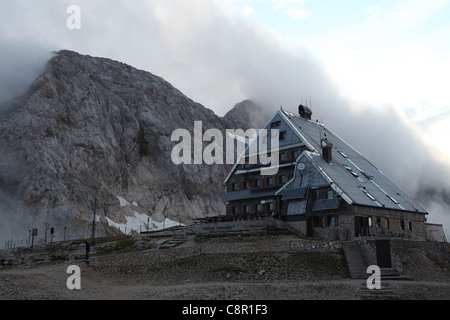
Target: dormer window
343	154
371	197
354	174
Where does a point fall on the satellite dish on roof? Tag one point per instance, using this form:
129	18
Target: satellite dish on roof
301	166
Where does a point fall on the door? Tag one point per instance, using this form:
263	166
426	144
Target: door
383	253
309	227
361	226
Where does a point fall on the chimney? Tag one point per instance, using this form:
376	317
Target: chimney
327	150
304	112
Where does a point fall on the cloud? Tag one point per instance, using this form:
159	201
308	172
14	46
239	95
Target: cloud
20	64
297	13
218	60
292	8
412	14
283	4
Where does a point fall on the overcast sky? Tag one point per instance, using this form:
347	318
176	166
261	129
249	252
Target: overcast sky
377	72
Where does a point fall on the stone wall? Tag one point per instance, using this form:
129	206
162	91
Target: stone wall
397	246
405	226
342	231
243	227
269	244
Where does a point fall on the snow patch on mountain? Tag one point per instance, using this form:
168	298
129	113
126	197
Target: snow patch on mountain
142	222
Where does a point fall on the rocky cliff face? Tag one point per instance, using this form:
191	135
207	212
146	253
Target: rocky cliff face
92	130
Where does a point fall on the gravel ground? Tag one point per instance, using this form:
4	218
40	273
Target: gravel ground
161	274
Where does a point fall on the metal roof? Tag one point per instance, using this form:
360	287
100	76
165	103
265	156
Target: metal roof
352	173
251	194
326	204
296	193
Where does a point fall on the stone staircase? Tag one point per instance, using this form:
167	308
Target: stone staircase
355	260
385	293
289	227
393	274
170	243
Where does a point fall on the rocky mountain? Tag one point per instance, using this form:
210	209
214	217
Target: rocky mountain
96	133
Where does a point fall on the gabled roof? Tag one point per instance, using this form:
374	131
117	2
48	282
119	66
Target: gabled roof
350	172
246	151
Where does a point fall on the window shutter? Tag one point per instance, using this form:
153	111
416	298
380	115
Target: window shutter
290	155
277	180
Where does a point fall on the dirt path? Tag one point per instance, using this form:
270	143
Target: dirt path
49	283
217	269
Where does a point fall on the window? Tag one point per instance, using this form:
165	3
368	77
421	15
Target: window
402	224
371	197
360	179
317	222
410	225
396	202
259	207
378	204
235	210
331	221
283	157
330	194
283	179
235	186
258	183
296	154
343	154
393	200
247	184
354	174
282	135
275	124
247	209
270	181
368	194
271	206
